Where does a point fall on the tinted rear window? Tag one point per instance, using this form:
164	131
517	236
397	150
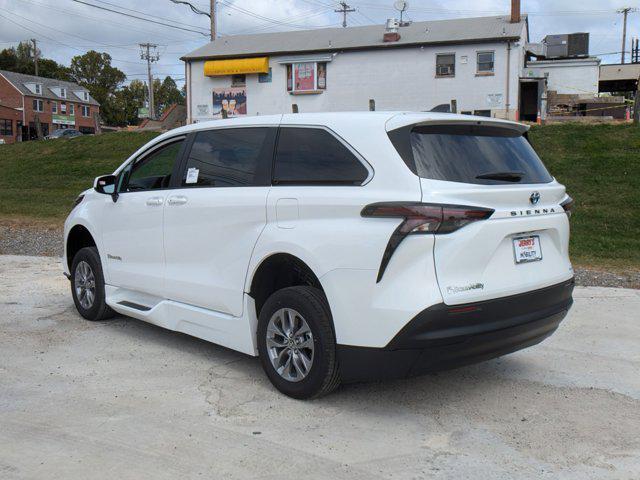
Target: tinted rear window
462	153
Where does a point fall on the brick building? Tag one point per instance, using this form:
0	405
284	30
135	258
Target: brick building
27	100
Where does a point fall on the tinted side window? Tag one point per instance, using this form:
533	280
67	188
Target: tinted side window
152	172
312	156
230	157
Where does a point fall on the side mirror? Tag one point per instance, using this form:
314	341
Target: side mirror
106	185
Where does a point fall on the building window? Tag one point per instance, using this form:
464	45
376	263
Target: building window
63	108
482	113
85	96
38	88
63	92
6	127
446	65
85	111
322	76
306	77
54	107
265	77
238	80
485	62
72	110
38	105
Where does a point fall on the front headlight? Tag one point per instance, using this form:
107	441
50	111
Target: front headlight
77	201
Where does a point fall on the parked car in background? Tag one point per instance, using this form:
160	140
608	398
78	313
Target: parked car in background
64	133
336	247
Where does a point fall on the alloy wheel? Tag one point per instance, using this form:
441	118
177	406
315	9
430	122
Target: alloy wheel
85	285
290	344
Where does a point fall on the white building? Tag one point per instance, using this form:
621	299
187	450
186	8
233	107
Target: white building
569	76
475	62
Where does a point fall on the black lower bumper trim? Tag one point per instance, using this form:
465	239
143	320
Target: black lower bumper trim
443	337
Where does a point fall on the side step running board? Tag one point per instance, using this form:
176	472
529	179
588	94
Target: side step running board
136	306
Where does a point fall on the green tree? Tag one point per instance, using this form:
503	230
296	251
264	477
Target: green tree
121	108
166	93
93	70
24	58
8	59
20	60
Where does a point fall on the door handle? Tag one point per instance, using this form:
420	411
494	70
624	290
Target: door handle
155	201
177	200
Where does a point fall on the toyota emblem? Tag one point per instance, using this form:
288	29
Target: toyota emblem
534	198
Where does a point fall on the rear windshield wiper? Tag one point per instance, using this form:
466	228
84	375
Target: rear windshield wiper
505	176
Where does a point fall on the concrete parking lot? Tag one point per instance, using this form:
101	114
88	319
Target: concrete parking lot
123	399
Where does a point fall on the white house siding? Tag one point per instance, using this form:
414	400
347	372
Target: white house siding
570	76
397	79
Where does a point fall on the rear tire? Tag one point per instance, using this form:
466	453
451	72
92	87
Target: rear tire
87	285
297	344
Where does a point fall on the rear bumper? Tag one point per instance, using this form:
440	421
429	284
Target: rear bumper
443	337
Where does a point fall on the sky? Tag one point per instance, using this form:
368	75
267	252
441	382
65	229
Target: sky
64	28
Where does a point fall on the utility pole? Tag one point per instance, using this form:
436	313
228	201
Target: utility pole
625	11
213	16
35	55
344	10
148	52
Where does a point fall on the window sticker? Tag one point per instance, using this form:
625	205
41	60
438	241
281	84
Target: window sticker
192	175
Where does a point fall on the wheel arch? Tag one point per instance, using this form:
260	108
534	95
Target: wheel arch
78	237
277	271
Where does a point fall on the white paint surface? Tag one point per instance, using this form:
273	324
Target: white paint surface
397	79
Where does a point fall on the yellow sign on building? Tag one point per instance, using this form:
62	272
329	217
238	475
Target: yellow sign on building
213	68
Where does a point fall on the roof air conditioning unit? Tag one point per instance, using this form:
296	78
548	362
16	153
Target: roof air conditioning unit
567	45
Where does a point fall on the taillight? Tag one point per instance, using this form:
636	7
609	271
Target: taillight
567	205
422	218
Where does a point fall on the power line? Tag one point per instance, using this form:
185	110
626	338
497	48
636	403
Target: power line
193	9
267	25
489	12
104	21
140	18
148	14
264	18
60	31
54	40
211	14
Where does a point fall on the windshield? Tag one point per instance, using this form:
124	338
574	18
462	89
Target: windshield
477	154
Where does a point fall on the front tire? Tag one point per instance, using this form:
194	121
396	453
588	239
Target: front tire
87	285
297	344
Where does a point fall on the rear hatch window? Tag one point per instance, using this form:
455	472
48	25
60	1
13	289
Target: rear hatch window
479	154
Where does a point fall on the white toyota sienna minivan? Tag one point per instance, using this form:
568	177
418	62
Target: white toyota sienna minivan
337	247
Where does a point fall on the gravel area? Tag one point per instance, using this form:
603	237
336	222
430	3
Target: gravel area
126	400
24	239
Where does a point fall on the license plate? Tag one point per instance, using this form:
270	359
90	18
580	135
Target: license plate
527	249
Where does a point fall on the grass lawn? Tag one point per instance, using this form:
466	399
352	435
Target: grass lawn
599	164
40	180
